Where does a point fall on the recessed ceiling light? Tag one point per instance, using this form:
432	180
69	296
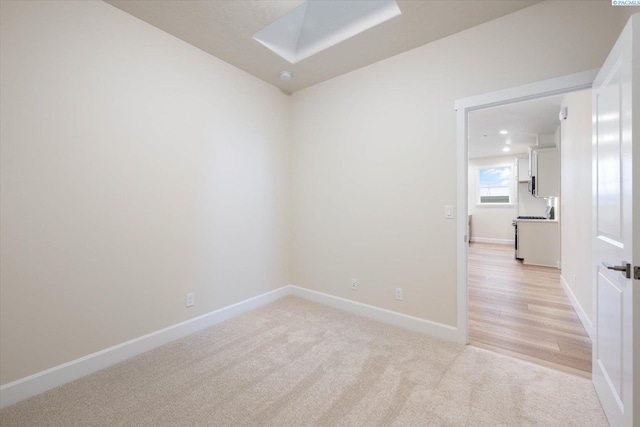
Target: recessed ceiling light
286	75
505	149
503	132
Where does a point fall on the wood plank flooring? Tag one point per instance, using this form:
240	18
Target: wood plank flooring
522	311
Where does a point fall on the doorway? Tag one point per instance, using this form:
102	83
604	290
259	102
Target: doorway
517	305
518	308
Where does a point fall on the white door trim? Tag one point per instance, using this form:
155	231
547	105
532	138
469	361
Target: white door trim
463	107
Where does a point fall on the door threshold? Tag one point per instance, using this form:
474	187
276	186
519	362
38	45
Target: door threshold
534	360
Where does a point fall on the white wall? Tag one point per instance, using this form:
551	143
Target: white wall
529	205
374	159
135	168
492	223
575	200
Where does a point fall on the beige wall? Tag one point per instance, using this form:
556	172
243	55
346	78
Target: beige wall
575	200
135	168
492	223
374	158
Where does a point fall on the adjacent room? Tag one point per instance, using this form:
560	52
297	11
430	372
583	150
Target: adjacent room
248	213
527	241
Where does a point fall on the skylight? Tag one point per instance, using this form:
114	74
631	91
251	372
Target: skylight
319	24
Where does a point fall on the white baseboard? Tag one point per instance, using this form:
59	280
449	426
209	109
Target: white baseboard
491	240
586	322
40	382
434	329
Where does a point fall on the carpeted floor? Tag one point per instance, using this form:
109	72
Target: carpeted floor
297	363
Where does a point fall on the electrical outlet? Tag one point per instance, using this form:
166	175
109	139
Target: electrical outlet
399	294
190	299
354	284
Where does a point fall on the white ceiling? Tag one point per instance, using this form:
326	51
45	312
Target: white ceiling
224	28
523	121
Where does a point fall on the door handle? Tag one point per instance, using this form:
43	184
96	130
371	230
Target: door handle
625	268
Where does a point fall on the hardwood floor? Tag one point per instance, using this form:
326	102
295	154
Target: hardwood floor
522	311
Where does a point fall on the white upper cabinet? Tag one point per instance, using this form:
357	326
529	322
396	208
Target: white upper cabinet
523	169
545	177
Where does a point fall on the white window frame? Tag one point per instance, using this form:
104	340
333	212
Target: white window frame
512	188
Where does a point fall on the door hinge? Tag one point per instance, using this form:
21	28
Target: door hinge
636	273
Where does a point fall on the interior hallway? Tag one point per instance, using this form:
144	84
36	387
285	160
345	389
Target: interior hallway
522	311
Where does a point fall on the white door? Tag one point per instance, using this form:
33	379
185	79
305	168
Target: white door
616	167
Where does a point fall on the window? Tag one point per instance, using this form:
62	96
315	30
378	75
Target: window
494	185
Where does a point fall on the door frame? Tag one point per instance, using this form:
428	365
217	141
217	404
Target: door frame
557	86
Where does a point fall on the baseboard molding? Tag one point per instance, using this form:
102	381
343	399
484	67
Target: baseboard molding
490	240
405	321
586	322
40	382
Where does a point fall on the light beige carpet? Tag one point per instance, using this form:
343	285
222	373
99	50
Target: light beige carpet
297	363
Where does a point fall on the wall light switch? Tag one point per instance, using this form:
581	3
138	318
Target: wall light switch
448	211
